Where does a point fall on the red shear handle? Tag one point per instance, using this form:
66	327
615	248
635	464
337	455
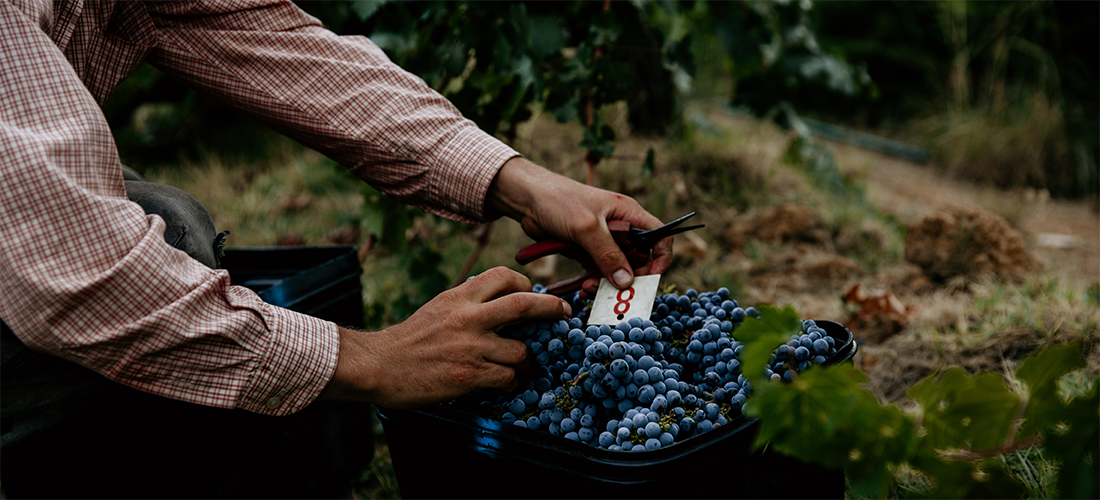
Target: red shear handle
619	230
541	249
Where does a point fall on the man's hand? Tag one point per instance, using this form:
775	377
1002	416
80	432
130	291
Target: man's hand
447	348
550	206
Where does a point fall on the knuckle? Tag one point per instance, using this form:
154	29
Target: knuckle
464	374
498	273
519	352
586	225
609	258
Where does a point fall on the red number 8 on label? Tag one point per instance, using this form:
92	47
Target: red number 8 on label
624	302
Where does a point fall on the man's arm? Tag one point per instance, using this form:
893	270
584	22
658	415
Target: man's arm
85	275
340	95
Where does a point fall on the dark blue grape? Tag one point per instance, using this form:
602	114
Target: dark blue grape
619	368
556	347
687	425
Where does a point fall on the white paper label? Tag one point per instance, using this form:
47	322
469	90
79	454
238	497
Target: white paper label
613	305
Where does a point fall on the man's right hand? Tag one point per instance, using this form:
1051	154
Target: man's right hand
448	348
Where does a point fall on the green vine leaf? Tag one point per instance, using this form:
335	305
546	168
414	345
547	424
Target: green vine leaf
964	412
1077	446
761	337
1041	372
959	479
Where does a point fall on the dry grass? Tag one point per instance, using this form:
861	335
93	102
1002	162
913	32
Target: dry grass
985	326
292	191
1022	146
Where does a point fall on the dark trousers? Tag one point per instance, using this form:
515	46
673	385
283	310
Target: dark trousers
68	432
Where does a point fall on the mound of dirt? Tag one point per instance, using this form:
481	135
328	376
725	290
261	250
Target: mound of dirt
832	269
786	223
964	241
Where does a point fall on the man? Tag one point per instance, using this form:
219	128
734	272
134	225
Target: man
87	276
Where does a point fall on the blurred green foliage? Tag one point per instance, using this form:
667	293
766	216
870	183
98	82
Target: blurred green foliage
992	66
1020	78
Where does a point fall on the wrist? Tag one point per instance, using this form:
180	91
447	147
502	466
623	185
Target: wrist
355	373
513	189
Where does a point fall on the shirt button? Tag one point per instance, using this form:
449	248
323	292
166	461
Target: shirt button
274	402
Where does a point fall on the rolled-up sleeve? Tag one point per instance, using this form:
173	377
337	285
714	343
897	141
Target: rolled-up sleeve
85	275
340	95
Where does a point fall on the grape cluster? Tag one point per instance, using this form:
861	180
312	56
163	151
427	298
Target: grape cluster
643	384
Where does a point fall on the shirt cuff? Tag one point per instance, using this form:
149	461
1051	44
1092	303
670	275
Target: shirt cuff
465	168
300	361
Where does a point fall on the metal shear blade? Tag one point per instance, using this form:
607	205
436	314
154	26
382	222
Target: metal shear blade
641	238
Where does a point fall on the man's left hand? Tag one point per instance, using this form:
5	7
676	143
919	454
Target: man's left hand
550	206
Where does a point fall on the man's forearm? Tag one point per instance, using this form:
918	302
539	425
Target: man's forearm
514	188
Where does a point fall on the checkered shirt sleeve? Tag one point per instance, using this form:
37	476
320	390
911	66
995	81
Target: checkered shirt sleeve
86	275
340	95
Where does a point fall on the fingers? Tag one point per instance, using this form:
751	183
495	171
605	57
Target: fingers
589	288
607	255
661	258
498	376
494	283
517	307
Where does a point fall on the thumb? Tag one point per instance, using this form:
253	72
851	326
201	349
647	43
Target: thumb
607	256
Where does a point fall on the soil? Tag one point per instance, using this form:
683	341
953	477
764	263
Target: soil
1028	232
967	241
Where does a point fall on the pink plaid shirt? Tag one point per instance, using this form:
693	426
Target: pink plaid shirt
86	275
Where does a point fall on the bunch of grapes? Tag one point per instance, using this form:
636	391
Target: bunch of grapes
643	384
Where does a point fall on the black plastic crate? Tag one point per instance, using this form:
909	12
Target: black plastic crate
318	281
444	452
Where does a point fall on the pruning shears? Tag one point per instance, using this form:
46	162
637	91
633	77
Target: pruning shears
636	243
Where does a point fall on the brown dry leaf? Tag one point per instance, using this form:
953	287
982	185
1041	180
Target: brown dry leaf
877	316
